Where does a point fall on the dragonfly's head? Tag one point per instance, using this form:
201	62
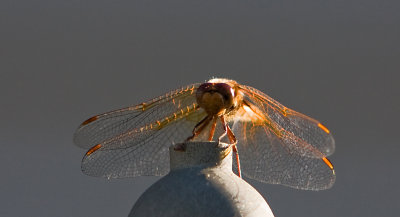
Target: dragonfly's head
216	98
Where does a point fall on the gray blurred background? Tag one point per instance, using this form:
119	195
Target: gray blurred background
64	61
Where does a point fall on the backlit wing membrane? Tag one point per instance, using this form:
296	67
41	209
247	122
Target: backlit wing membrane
133	141
144	153
308	130
267	158
278	145
101	127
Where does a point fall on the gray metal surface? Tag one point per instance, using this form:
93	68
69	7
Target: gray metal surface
201	183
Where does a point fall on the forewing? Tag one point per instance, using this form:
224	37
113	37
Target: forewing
134	141
302	128
280	146
103	127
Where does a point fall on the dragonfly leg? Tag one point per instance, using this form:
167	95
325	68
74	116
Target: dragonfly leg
196	131
234	148
212	130
225	126
227	131
233	141
231	136
200	127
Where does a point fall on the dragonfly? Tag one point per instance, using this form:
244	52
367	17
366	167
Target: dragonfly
276	144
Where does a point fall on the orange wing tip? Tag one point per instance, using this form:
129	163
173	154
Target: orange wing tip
93	149
323	128
328	163
90	120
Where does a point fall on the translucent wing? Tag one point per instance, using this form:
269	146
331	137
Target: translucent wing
143	153
304	128
278	145
134	141
102	127
267	158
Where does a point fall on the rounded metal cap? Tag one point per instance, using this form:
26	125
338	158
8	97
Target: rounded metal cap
201	183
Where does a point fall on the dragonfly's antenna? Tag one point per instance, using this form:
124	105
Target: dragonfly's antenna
201	183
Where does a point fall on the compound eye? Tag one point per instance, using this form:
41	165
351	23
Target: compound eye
227	92
215	98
